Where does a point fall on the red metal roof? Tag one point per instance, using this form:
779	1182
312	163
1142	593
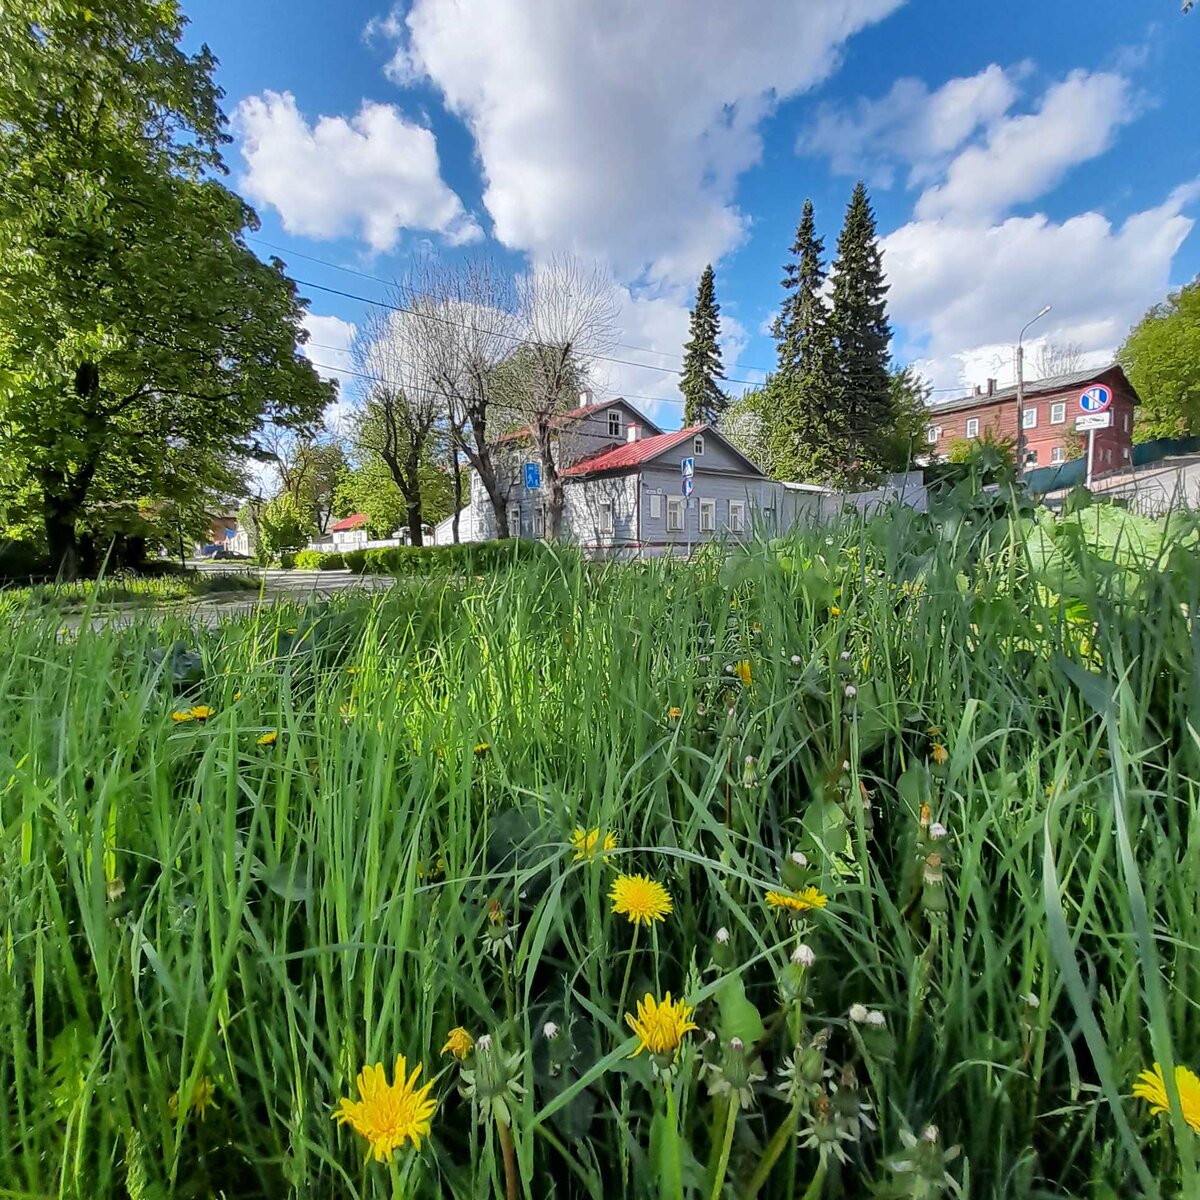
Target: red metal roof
631	454
357	521
558	419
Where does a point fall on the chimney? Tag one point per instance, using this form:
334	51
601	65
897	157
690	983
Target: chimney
634	432
991	386
585	398
978	390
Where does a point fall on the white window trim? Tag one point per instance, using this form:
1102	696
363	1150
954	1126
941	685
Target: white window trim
972	427
1029	418
933	435
656	506
606	518
614	422
708	516
674	514
1057	455
514	520
738	507
698	445
1058	413
539	521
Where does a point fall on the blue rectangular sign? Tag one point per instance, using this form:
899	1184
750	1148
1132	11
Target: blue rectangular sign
687	467
533	476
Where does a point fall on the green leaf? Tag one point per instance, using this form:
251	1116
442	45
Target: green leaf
738	1017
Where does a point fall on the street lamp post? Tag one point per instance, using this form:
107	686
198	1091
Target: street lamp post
1021	392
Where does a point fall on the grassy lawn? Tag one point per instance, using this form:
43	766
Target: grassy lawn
131	589
920	794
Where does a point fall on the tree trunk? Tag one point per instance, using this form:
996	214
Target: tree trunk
412	494
551	482
61	538
415	537
456	474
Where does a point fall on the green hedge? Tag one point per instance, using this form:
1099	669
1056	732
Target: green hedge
471	558
320	560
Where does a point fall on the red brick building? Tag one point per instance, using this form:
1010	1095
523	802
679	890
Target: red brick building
1050	408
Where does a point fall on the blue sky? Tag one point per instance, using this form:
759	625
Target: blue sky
1017	154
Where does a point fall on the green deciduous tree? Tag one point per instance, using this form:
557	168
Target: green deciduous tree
134	319
700	380
284	526
803	413
861	336
1161	356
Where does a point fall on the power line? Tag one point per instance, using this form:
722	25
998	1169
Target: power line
379	279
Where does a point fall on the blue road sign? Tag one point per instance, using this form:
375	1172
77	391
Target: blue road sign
688	484
1095	398
533	476
687	468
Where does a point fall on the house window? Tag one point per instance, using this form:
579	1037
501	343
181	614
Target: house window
698	445
606	516
933	434
1058	413
675	514
614	422
708	516
539	521
1029	418
1031	458
514	520
656	506
1058	454
737	516
972	427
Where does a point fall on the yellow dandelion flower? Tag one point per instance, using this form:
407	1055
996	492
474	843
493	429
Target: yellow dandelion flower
1152	1086
348	711
482	748
269	738
742	671
351	670
660	1026
237	695
674	713
202	1098
388	1114
290	629
834	611
586	843
798	901
202	712
939	753
640	898
180	715
459	1043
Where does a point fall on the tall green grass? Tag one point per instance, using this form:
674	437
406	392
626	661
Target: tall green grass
179	903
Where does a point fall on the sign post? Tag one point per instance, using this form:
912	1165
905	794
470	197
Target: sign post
1093	406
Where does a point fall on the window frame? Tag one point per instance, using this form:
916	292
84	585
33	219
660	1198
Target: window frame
675	509
698	446
738	526
933	435
1029	417
539	520
1060	407
972	432
655	513
1058	455
514	520
614	422
708	507
606	525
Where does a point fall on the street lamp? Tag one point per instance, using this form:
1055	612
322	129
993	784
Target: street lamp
1021	392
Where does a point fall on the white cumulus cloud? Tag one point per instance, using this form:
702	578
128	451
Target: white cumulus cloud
909	125
1024	156
619	131
372	175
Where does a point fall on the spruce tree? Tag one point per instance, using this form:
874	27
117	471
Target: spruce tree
860	330
704	401
804	435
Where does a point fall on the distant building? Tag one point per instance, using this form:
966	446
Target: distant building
1050	409
623	486
347	533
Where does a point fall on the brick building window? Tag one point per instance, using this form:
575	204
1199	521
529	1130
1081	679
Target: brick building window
1029	418
1058	454
932	434
1058	413
972	427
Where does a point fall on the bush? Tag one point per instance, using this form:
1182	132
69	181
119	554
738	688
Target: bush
287	560
469	558
20	561
355	560
309	560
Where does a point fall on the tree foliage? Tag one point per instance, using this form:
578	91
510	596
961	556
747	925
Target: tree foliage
141	341
907	436
1161	356
284	526
700	380
861	335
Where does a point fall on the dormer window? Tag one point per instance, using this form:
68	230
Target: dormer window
698	445
614	422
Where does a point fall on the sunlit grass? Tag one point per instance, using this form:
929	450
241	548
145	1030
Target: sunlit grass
191	912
